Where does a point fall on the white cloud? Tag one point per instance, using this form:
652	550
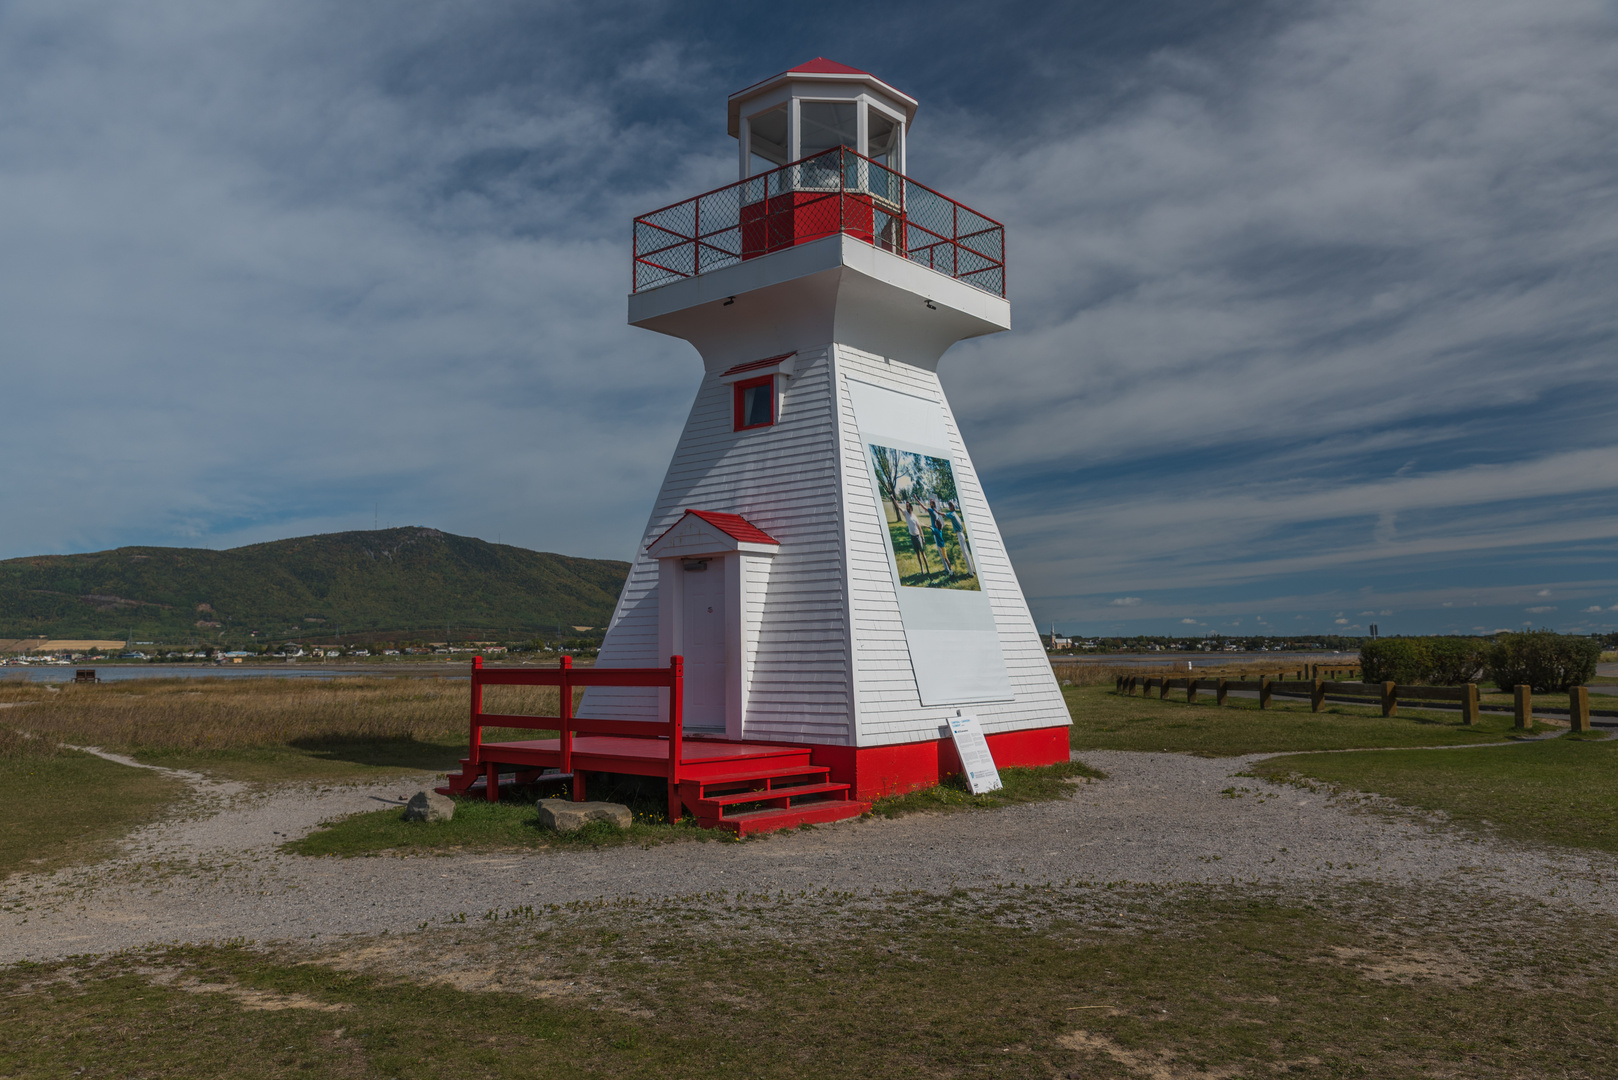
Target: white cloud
1341	622
1137	540
1272	286
1542	609
1593	607
1543	592
1189	622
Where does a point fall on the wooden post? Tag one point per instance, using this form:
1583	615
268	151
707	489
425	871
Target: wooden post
1222	692
676	732
475	741
1317	693
1191	691
491	770
1264	691
1162	688
1578	708
1469	704
1390	698
1525	707
564	712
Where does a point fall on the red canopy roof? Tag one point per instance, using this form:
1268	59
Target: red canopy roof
732	525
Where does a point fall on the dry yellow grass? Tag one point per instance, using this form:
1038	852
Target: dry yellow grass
1078	673
188	715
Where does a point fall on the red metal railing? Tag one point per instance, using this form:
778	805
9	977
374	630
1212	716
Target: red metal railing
831	192
565	678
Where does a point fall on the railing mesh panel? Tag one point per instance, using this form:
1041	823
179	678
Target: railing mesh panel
836	191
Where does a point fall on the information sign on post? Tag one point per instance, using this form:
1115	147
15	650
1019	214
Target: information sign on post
976	761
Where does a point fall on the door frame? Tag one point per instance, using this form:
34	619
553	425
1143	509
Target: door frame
671	578
746	566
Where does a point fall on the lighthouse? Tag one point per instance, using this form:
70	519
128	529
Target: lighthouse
821	553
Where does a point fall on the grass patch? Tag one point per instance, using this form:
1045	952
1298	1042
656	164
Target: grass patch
1015	983
512	824
1019	785
1106	720
1560	791
332	761
68	807
268	730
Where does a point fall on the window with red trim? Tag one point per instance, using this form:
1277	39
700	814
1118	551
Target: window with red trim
755	403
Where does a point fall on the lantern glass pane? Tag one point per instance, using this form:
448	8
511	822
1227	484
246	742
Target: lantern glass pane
768	137
828	124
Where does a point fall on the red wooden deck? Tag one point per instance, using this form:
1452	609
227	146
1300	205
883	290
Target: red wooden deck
741	786
699	760
745	787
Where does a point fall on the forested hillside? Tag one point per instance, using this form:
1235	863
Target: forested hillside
394	582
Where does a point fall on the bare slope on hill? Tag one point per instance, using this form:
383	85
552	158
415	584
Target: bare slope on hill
404	581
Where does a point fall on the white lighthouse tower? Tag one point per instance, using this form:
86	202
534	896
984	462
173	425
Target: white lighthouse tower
821	552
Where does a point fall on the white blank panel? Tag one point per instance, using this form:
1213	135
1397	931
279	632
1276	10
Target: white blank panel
958	667
887	416
955	647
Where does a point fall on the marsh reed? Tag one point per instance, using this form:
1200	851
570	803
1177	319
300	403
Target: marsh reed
216	714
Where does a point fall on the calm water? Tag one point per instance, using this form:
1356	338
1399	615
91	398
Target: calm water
1190	661
121	672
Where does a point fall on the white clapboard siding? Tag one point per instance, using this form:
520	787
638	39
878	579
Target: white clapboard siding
888	702
826	659
784	479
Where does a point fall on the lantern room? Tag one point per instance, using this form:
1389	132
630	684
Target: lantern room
815	107
821	150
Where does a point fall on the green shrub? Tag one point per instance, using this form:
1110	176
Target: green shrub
1453	661
1438	661
1543	659
1399	660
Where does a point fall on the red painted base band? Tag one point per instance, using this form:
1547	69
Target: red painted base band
876	771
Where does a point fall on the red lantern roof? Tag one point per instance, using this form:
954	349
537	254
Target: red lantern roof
819	68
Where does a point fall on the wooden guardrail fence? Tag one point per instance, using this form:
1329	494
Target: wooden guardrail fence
1387	694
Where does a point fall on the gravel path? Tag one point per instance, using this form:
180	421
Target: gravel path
1160	818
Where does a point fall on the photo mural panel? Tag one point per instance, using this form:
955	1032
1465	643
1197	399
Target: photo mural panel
929	540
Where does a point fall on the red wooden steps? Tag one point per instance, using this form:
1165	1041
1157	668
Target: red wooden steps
715	800
817	813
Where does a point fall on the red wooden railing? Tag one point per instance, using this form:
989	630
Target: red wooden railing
565	678
836	191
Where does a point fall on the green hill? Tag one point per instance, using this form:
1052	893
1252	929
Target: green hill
409	582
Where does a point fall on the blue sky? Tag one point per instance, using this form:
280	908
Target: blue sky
1316	304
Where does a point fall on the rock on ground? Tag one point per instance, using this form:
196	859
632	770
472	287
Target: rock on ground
429	806
565	816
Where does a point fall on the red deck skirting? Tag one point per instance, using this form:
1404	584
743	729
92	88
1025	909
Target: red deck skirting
876	771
